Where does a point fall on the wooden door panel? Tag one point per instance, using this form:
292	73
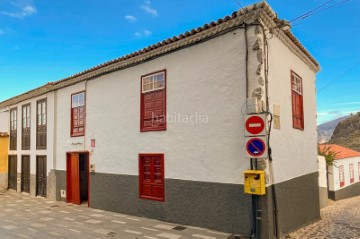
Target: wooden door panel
12	181
25	174
41	176
73	182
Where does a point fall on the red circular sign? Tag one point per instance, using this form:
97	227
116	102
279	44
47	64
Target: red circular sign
254	125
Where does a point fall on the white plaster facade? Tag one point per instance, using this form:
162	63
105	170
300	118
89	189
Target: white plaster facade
4	120
208	79
297	149
334	174
33	152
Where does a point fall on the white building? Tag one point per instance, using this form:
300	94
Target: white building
344	173
160	132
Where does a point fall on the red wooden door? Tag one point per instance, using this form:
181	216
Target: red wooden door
73	179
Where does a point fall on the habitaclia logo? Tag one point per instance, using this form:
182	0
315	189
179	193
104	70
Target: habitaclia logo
178	118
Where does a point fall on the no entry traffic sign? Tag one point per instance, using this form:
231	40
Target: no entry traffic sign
256	147
255	125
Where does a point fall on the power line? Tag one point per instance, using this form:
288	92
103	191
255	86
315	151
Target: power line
309	12
338	77
318	9
238	3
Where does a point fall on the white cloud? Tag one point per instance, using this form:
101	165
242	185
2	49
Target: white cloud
21	9
143	33
130	18
325	116
148	9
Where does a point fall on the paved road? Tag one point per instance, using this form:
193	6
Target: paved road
22	216
340	220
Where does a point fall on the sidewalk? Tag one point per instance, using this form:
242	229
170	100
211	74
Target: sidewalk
22	216
341	219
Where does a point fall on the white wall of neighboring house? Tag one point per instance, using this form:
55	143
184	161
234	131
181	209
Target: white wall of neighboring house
322	172
33	152
4	120
291	147
210	151
334	173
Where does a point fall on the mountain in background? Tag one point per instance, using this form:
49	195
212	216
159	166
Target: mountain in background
325	130
347	133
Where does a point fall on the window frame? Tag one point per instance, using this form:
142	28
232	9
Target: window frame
141	173
341	175
27	120
72	134
142	94
13	132
300	95
351	173
40	102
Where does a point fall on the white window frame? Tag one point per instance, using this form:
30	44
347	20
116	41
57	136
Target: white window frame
296	84
13	119
153	79
78	100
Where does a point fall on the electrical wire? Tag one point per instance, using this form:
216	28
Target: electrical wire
318	9
238	3
311	11
340	76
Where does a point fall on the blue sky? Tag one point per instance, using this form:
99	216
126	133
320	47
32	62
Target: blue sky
43	41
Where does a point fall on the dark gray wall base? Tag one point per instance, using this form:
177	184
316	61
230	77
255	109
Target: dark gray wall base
222	207
298	205
60	176
348	192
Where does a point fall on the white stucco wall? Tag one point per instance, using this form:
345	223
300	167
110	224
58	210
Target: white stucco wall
64	143
207	79
4	120
334	174
33	152
322	171
294	151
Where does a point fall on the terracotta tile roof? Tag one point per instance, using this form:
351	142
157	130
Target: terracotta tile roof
3	134
248	15
341	152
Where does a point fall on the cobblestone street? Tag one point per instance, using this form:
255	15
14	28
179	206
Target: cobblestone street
22	216
340	219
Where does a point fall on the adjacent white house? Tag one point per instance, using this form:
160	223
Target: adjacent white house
344	173
160	132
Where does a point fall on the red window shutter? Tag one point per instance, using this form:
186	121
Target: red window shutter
78	121
151	177
153	110
341	176
297	103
